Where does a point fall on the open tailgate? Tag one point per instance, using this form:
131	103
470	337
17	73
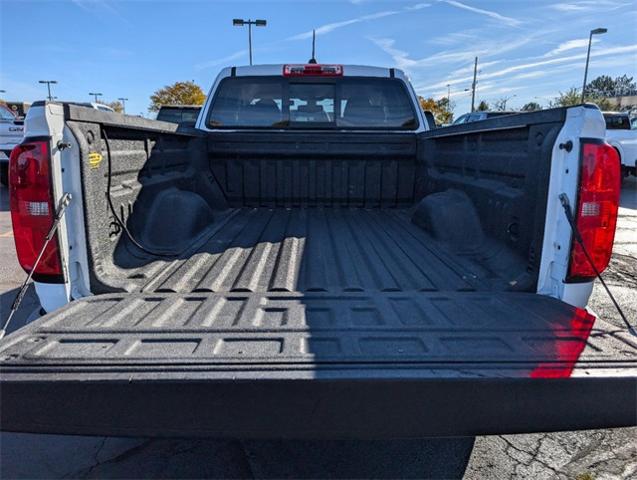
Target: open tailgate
392	364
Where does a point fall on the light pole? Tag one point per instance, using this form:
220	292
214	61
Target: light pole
95	94
48	86
597	31
123	100
238	22
473	85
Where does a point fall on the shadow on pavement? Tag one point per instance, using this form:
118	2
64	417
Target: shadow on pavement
628	197
47	456
4	199
29	305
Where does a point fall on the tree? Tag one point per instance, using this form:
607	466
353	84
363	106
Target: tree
574	97
602	86
179	93
603	103
567	99
531	107
624	85
116	105
605	86
483	106
500	105
440	109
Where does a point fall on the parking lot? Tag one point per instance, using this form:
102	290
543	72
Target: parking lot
604	454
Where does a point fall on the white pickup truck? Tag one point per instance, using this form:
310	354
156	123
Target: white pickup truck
313	261
621	136
11	133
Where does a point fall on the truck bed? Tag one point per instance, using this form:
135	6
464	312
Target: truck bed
317	322
318	250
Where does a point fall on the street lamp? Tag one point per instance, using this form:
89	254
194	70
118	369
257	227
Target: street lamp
597	31
48	86
95	94
123	100
238	22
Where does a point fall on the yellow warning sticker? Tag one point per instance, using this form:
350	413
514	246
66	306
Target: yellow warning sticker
94	159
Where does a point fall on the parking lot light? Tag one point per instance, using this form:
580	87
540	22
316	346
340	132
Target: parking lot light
596	31
48	86
238	22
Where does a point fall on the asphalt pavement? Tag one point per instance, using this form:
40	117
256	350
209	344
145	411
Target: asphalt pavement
599	454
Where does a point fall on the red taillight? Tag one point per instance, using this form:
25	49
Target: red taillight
32	209
597	204
312	69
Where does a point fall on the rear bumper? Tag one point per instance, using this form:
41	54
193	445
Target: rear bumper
318	408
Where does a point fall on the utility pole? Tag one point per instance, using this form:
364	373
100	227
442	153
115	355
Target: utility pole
238	22
95	94
473	85
48	86
448	96
597	31
123	100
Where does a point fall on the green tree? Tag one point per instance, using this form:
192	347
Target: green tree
605	86
624	85
531	107
567	99
574	97
179	93
602	86
483	106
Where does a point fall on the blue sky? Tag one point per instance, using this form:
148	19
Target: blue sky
528	50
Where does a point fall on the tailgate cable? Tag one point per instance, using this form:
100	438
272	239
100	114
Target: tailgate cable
59	212
119	221
576	233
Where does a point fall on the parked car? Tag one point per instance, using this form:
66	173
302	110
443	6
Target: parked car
312	260
102	107
183	115
477	116
623	137
11	133
19	109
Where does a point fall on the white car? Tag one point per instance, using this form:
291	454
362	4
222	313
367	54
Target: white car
623	137
102	107
11	133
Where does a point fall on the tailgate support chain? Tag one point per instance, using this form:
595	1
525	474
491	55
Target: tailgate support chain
59	212
576	233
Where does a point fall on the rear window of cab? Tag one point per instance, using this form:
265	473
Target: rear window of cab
291	103
617	122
